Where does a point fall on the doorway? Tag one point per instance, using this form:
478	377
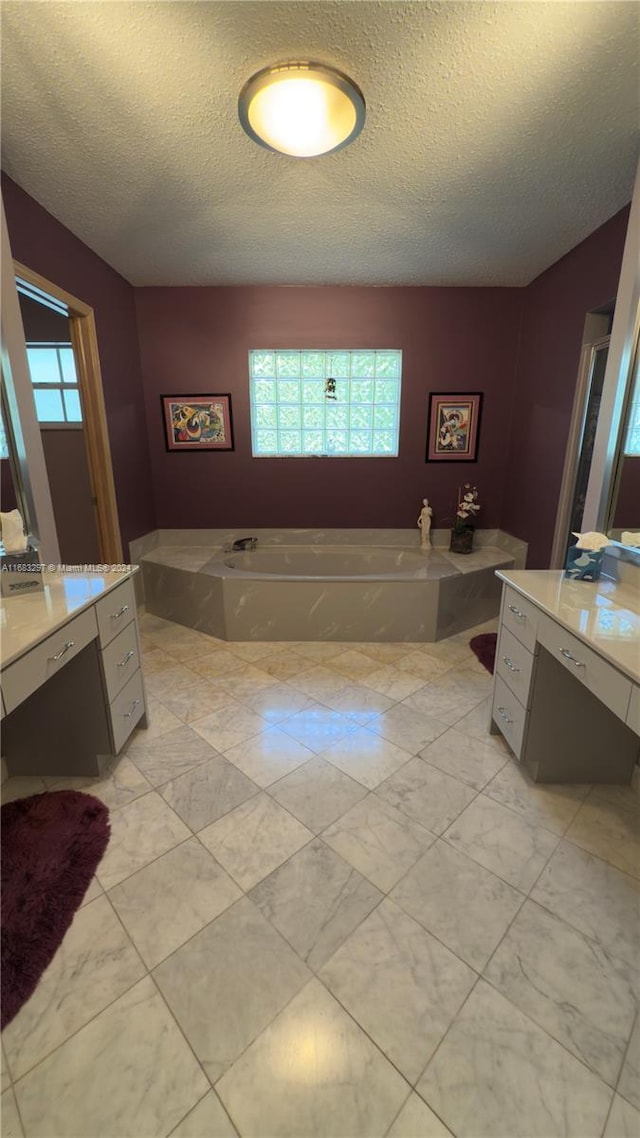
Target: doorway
80	442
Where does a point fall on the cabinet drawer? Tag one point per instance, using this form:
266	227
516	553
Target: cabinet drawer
633	714
514	664
28	673
520	616
126	709
509	715
120	660
602	679
115	611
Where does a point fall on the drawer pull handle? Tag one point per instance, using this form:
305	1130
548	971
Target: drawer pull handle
129	656
567	655
128	714
120	612
503	715
510	664
517	612
63	651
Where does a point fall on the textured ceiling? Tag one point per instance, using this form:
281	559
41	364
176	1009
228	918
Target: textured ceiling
498	135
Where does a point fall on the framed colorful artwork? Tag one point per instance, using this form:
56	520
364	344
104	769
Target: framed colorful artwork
454	426
197	422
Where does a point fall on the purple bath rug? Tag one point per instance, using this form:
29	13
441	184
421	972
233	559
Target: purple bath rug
484	647
51	846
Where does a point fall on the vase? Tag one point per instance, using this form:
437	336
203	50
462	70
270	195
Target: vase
461	540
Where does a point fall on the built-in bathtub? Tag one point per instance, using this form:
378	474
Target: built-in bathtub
329	563
343	585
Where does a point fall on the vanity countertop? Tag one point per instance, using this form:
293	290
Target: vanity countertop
604	614
27	619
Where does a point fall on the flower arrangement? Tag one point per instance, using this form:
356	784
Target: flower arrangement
468	507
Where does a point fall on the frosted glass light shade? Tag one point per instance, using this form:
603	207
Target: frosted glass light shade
301	109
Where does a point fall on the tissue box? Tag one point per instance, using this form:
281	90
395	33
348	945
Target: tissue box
583	564
20	573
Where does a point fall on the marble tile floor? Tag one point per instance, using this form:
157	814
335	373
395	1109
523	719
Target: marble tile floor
334	907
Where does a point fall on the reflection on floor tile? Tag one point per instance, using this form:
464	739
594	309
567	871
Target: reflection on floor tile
400	984
568	985
393	682
313	1072
474	764
416	1120
487	1075
170	755
551	806
11	1125
316	900
22	786
317	793
254	839
610	831
229	726
468	908
269	756
358	702
451	696
378	840
408	729
624	1120
140	832
94	965
169	680
207	792
629	1084
121	783
129	1072
226	984
196	701
594	897
427	795
165	903
366	756
207	1120
279	702
318	727
503	842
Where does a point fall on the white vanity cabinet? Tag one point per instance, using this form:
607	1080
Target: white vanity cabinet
72	686
566	680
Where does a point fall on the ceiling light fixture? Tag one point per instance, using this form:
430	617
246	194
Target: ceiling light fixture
301	109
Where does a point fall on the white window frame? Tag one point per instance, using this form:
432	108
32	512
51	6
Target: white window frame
56	345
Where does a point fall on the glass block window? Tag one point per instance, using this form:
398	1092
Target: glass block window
55	383
333	404
631	443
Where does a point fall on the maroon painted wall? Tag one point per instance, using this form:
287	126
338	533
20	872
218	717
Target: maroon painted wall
196	340
8	500
554	310
48	247
627	512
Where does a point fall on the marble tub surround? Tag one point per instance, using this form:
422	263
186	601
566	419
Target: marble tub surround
346	585
388	933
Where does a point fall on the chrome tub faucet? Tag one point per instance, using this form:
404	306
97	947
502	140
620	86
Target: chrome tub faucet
244	543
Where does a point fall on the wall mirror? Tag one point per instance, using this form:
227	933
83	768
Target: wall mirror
623	512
